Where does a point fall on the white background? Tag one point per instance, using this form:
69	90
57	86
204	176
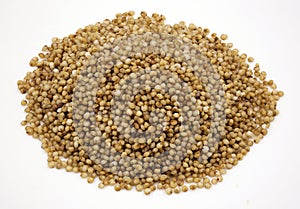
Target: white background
265	29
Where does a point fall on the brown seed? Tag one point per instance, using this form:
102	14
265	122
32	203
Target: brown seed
224	36
147	191
250	59
24	103
117	187
185	188
193	187
169	191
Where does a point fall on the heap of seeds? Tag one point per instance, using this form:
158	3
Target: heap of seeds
84	104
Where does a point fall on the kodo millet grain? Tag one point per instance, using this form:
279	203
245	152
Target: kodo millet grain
137	103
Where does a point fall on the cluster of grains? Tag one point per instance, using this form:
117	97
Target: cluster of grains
164	134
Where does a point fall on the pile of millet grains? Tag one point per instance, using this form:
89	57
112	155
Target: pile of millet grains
228	104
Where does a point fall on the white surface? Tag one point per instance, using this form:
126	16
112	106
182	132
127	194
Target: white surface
267	178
